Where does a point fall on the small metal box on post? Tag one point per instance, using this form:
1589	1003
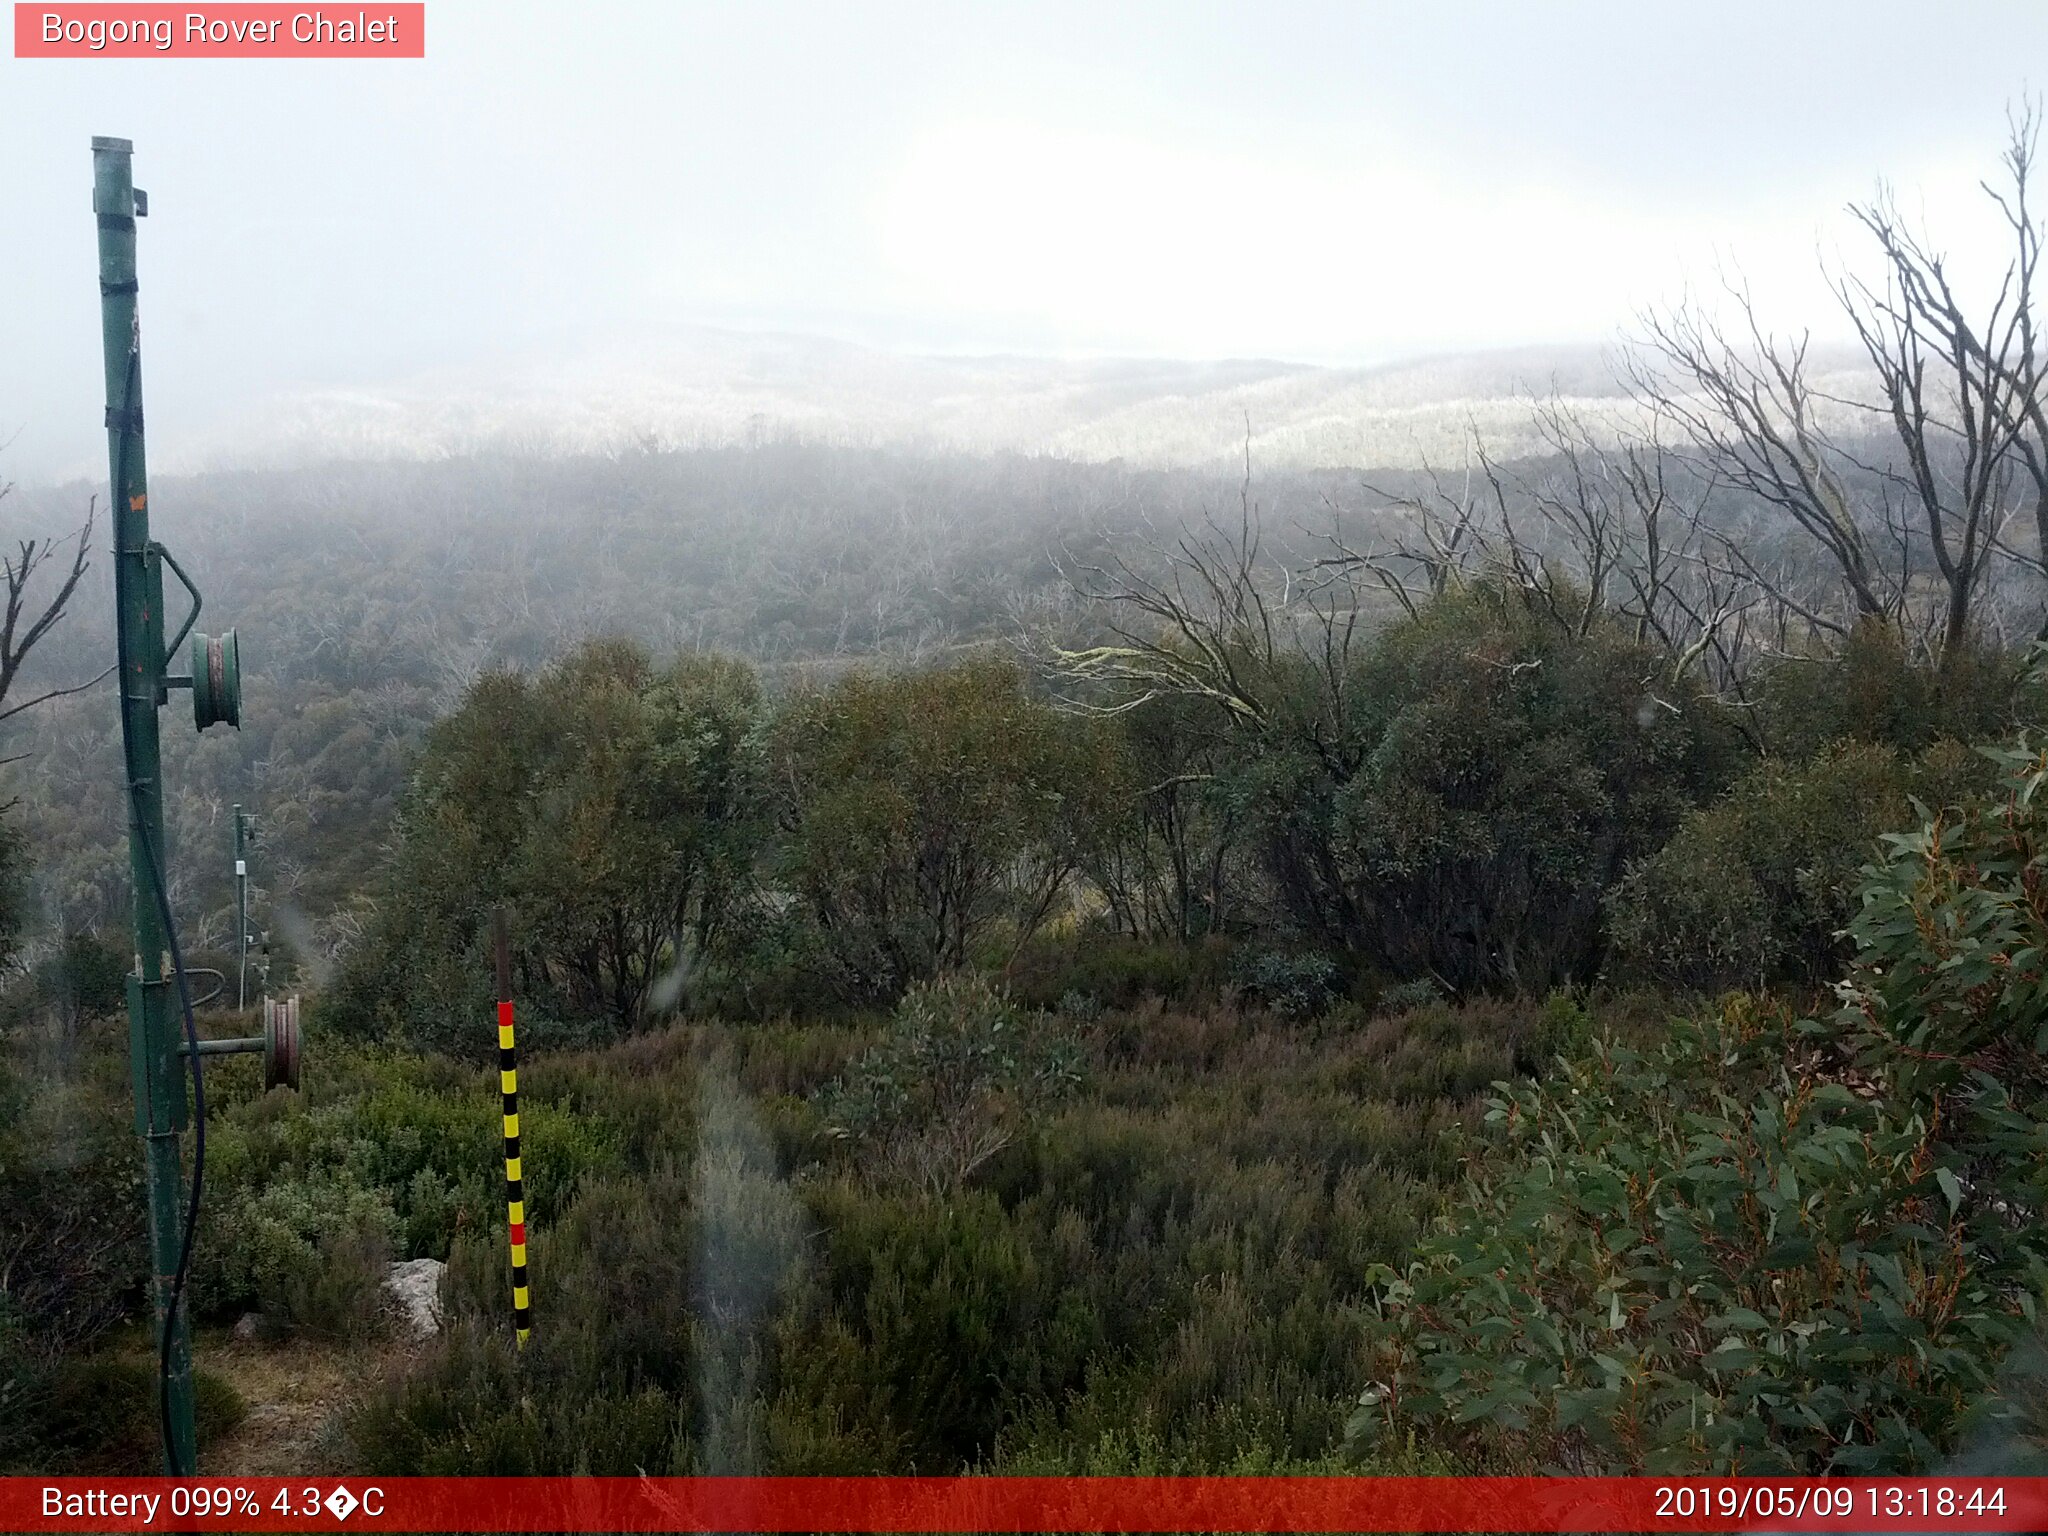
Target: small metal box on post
159	995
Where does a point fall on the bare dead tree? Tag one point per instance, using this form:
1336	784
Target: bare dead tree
1631	520
1201	628
26	621
1205	615
1981	423
1958	401
1437	540
1747	406
1229	642
1609	528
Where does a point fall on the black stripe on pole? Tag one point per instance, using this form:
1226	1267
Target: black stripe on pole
508	1087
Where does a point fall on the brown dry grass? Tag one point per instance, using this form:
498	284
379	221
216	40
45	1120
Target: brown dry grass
296	1391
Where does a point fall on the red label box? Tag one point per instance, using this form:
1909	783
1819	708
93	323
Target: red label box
226	31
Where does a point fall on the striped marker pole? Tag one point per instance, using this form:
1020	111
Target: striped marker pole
508	1084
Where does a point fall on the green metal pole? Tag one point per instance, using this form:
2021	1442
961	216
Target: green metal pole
159	1076
241	917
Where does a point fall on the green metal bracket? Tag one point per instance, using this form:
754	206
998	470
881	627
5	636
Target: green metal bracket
184	581
152	1060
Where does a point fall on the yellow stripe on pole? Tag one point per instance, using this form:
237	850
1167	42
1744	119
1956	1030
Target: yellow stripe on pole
508	1079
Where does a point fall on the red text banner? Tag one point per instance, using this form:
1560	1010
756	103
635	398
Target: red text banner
1018	1504
225	31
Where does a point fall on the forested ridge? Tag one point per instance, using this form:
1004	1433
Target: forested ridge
1036	966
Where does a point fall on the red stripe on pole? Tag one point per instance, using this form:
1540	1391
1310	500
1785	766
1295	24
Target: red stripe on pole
518	1231
504	1014
1018	1504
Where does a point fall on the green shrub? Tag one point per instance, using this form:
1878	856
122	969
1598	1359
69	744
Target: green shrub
651	1298
1080	1007
425	1135
956	1314
309	1252
1766	1243
1869	691
959	1073
1756	889
613	805
72	1246
1293	986
1179	1247
1563	1028
1714	1256
1117	970
97	1413
88	975
602	1386
1952	940
1404	995
1460	801
922	813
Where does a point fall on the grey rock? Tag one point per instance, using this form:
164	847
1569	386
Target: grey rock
415	1288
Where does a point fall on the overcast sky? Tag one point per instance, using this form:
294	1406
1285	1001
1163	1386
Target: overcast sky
1334	182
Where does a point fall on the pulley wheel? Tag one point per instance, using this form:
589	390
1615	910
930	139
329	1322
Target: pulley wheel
216	680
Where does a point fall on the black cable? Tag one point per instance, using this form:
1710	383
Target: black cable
220	981
163	906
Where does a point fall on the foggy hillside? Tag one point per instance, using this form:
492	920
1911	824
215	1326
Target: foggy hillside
700	387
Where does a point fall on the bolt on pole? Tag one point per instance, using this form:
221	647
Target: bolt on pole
160	1108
